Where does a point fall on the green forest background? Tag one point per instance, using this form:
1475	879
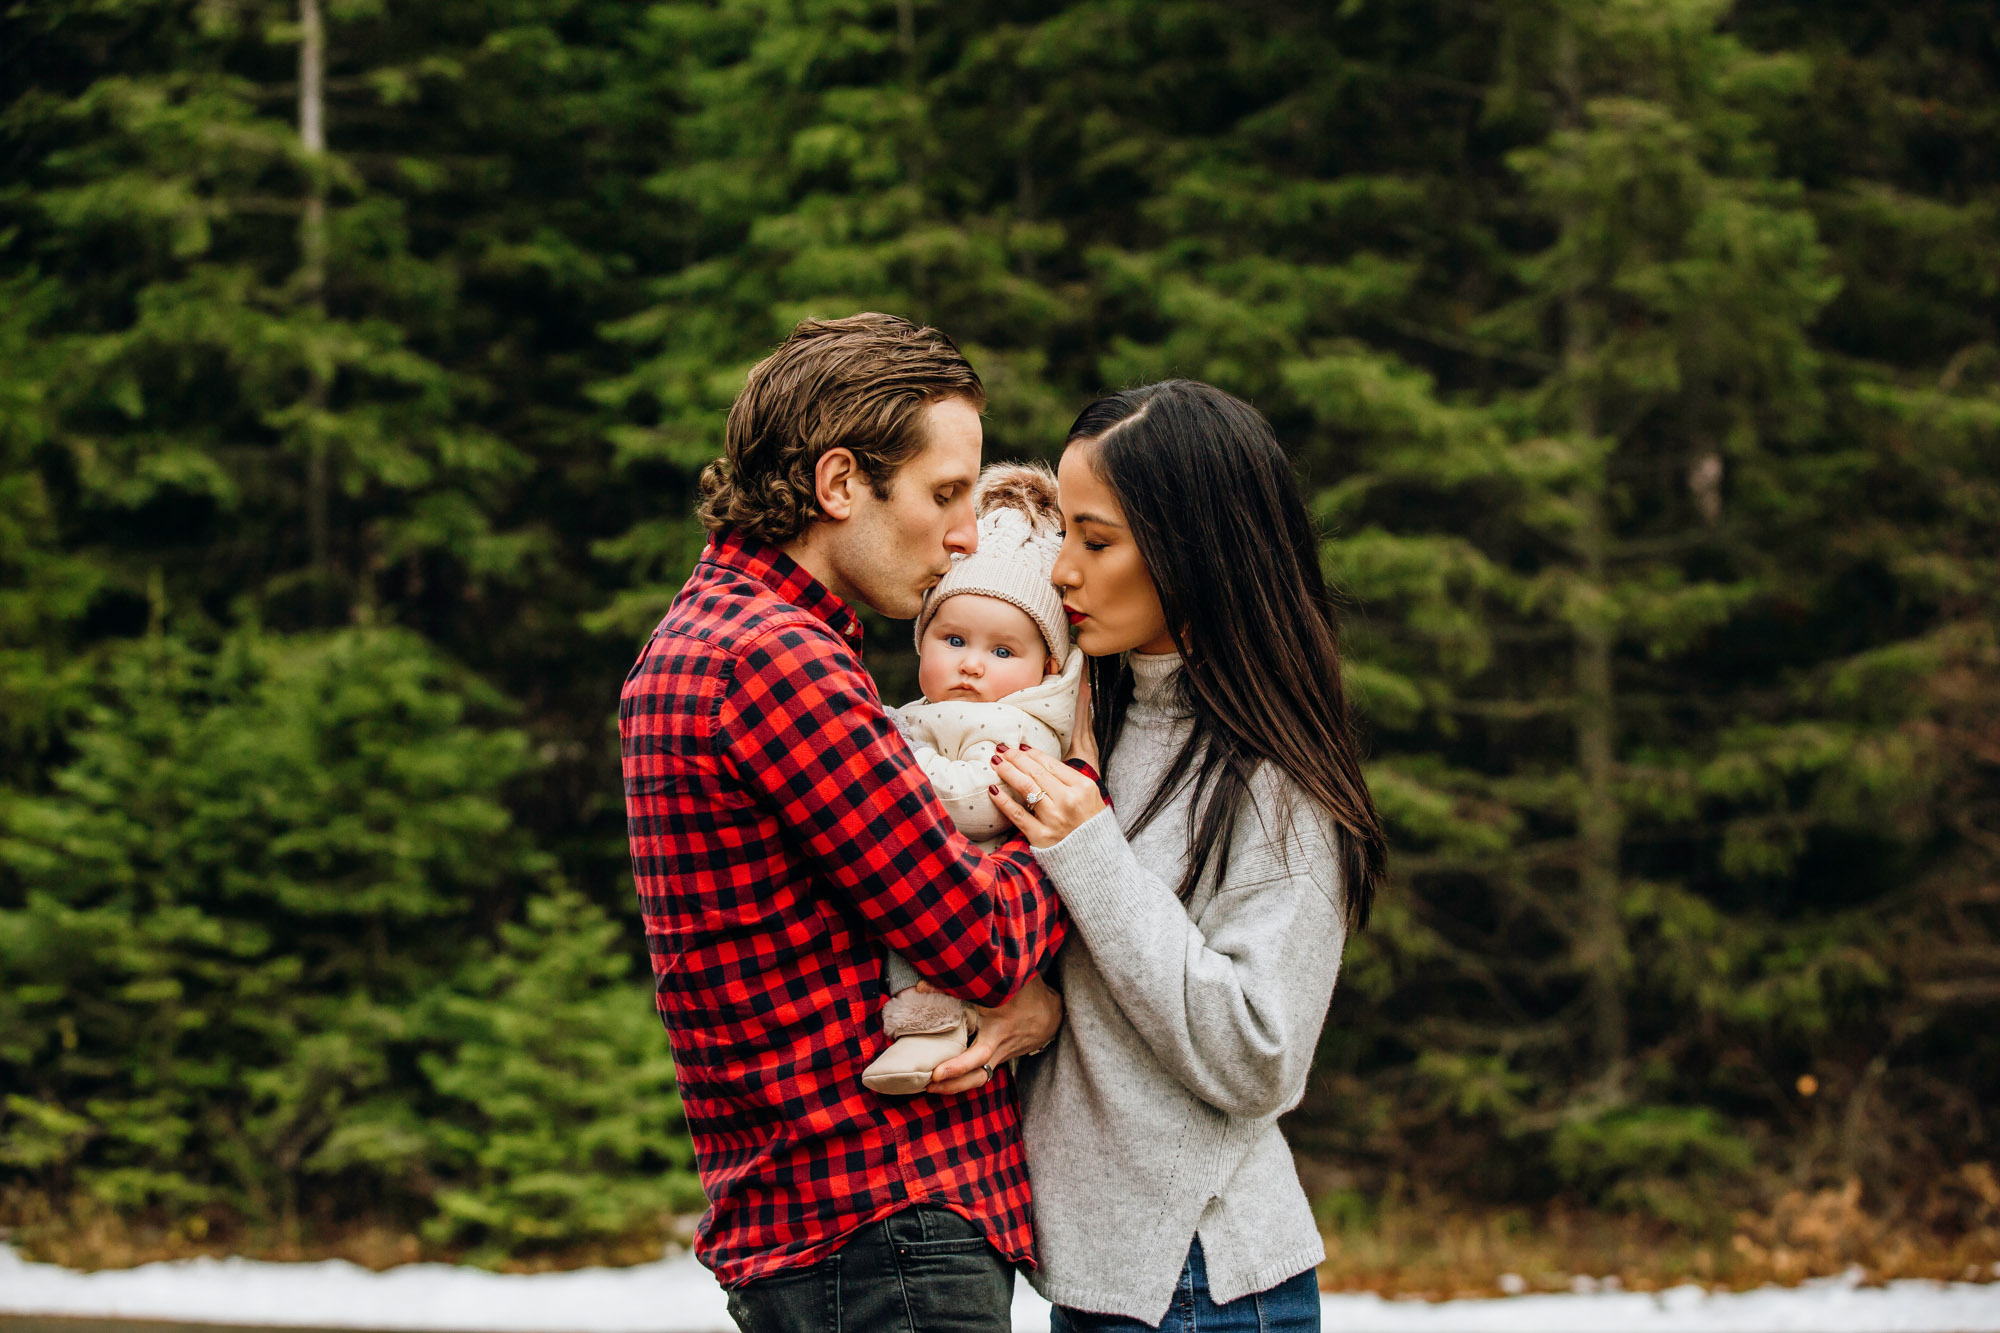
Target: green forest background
1641	358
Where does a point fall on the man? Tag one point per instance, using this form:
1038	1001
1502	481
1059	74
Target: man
782	835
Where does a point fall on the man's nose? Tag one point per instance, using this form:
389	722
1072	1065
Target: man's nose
963	539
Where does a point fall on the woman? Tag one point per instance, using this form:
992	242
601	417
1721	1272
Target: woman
1210	910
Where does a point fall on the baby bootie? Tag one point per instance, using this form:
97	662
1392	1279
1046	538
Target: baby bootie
928	1029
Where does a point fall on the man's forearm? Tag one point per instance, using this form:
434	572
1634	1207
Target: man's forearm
1023	932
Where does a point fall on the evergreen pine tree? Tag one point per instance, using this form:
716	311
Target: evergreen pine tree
561	1122
832	158
1898	149
256	862
273	844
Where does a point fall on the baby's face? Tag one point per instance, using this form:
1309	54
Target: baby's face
979	648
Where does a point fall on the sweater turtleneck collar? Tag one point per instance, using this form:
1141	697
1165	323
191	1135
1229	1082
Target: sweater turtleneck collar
1153	683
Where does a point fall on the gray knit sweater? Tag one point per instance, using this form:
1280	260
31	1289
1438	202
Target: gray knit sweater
1153	1117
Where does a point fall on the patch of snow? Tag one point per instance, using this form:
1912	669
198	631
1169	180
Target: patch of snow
1827	1305
673	1296
678	1296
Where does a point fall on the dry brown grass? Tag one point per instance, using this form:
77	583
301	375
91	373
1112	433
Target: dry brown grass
82	1235
1438	1251
1423	1248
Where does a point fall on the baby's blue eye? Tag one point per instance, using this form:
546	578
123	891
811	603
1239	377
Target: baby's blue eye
1003	652
956	641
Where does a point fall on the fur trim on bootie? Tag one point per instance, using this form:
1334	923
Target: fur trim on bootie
913	1012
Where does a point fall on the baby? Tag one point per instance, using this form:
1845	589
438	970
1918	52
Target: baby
995	666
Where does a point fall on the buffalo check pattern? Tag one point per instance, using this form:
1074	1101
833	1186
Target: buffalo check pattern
782	835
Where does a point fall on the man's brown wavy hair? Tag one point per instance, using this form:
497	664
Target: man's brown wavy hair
859	383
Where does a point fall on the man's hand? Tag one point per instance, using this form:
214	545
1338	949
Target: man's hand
1021	1026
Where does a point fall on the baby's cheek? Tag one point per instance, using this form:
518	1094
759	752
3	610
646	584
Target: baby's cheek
932	676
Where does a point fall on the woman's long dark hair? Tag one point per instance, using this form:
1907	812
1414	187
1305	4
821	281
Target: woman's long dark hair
1215	510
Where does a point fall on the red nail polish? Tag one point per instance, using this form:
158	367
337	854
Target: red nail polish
993	791
994	760
1026	746
1002	747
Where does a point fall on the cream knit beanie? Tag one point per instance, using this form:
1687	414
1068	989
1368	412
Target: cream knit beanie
1020	531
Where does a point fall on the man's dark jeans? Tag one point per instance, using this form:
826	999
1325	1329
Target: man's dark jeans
923	1270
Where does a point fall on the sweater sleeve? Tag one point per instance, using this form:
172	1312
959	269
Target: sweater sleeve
969	772
1232	1004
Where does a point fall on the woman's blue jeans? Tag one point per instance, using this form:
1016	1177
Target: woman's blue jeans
1290	1307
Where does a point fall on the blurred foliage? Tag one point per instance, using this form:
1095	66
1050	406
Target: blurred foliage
1640	359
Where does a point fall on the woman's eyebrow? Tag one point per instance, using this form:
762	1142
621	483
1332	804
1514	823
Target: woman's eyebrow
1100	522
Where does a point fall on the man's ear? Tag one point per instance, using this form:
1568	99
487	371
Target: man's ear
834	478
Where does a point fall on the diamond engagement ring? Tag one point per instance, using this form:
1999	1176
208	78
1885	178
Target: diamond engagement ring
1036	795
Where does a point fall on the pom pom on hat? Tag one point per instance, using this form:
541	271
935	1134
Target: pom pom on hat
1028	487
1020	532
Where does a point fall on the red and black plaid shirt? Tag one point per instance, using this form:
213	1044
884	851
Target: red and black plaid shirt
782	836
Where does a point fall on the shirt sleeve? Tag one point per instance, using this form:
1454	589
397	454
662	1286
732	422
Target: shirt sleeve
957	775
803	728
1231	1004
960	787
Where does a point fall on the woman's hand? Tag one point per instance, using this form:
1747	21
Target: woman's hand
1070	797
1021	1026
1083	736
